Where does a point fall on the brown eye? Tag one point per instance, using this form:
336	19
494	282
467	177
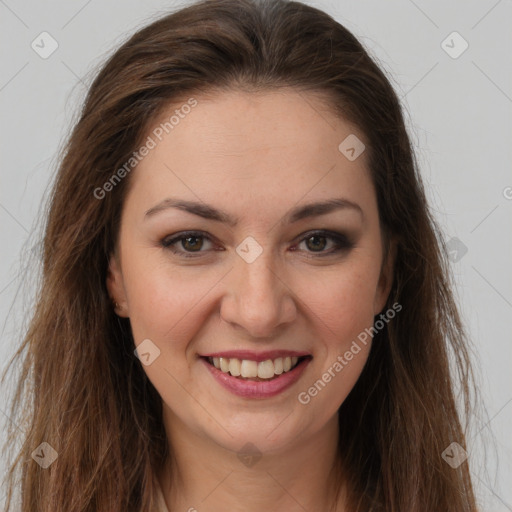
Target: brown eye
316	242
192	243
189	243
325	243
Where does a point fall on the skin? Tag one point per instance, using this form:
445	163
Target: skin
255	156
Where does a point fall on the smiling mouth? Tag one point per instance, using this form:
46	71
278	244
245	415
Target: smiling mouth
246	369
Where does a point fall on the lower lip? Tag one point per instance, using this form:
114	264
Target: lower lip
257	389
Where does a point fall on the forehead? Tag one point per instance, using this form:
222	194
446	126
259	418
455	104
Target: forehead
265	147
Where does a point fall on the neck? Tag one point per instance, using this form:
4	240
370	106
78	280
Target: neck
203	476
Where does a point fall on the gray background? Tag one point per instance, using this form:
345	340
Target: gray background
459	113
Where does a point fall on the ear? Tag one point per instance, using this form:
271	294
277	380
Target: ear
115	286
386	277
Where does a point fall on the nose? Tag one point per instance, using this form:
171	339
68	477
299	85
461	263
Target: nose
258	299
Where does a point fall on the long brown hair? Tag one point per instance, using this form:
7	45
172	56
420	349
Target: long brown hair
82	390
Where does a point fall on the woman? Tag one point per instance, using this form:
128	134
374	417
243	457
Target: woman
245	303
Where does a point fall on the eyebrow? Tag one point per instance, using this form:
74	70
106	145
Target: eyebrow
298	213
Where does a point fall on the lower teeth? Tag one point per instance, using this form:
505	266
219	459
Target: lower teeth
256	379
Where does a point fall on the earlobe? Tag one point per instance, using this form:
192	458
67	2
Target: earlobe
386	278
115	287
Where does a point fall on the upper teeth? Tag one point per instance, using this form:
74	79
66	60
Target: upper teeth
247	368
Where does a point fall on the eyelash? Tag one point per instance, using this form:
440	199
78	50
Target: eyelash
342	243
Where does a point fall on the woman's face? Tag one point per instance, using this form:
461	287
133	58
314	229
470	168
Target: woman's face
258	283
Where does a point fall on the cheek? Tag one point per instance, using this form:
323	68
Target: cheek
162	300
344	304
343	325
343	309
164	304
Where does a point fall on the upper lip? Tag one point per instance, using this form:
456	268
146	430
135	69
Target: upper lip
256	356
